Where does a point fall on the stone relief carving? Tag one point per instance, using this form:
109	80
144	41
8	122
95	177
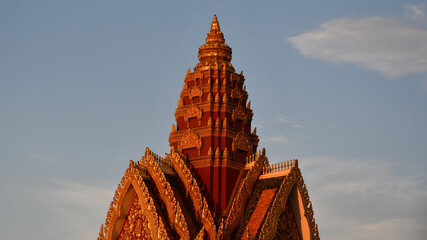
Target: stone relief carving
190	139
242	141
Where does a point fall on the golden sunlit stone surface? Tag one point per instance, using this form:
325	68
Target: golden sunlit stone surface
213	184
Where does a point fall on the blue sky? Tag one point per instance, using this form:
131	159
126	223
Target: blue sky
340	85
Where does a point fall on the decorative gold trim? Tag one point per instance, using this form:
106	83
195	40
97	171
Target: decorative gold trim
237	93
201	234
235	213
155	223
269	227
174	211
239	113
242	141
200	204
135	224
193	111
196	92
190	139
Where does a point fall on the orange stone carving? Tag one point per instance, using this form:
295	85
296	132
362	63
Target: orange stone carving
190	139
136	225
196	92
242	141
193	111
239	113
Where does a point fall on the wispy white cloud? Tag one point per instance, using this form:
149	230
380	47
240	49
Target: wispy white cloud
416	12
53	209
288	120
79	209
388	46
365	199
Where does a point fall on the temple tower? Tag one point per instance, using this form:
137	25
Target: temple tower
213	120
213	184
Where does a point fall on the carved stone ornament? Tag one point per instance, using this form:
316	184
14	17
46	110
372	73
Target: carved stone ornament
133	176
288	228
236	93
242	142
173	209
235	214
271	221
198	74
239	113
190	139
196	92
193	111
200	204
136	224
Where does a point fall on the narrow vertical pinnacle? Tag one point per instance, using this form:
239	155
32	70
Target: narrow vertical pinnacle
215	25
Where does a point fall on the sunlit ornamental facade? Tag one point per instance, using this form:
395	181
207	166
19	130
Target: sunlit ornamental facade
214	183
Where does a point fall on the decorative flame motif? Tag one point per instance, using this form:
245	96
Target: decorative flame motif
200	204
196	92
174	211
136	225
235	213
236	93
242	141
193	111
133	175
190	139
271	222
239	113
288	228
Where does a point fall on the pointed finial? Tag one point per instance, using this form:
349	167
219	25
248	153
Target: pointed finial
215	25
215	52
225	152
217	123
224	97
217	153
217	97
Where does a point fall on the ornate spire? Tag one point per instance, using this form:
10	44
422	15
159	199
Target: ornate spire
215	52
215	25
